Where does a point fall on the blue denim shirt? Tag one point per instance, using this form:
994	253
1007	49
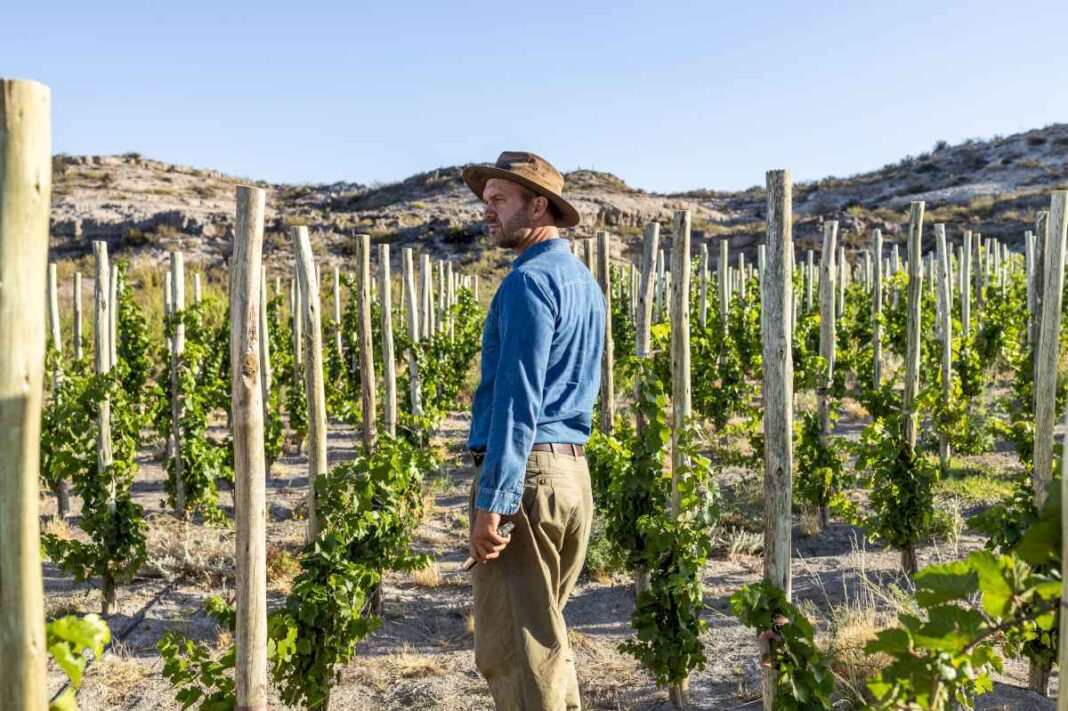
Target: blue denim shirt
541	367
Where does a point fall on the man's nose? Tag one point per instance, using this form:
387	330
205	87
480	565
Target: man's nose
488	213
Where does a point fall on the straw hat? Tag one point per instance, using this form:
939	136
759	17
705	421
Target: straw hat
529	170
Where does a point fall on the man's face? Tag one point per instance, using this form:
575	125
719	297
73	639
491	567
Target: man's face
508	212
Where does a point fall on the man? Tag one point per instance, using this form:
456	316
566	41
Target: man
531	416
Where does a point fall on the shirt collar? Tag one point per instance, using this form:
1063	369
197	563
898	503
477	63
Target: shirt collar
557	244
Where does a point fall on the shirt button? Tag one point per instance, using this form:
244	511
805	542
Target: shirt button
542	481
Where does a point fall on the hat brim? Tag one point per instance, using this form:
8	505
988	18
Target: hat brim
476	176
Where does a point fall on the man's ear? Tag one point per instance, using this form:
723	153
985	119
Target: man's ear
540	206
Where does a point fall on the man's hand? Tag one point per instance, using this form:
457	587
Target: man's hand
485	544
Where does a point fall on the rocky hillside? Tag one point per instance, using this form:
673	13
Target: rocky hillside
144	208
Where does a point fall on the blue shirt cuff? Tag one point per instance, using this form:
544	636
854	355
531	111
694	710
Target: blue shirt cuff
498	501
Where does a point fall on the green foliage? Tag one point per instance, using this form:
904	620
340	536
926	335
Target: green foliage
667	617
114	523
818	480
67	639
901	497
803	680
202	378
972	607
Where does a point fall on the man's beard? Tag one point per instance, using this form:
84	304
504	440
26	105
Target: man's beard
514	232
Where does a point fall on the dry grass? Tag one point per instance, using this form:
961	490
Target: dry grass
853	410
428	577
202	555
811	523
469	624
59	528
282	568
409	664
117	674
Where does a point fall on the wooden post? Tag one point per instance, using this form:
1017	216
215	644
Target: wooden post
177	350
643	340
912	350
778	394
704	284
450	298
877	309
102	352
25	195
442	305
1049	343
945	313
828	270
966	288
337	314
761	263
414	389
660	280
313	368
1041	246
250	501
78	336
113	314
842	276
722	267
196	286
389	367
265	346
680	379
608	397
367	362
296	302
810	277
426	303
60	489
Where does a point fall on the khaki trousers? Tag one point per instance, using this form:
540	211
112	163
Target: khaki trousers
521	644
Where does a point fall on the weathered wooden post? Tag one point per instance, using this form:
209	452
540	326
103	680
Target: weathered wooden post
1041	247
842	276
102	352
1049	343
761	262
25	196
250	500
265	345
809	279
828	269
704	284
680	380
608	396
313	368
414	389
177	351
877	309
722	270
367	362
78	336
55	337
945	313
426	298
778	395
643	341
660	281
113	314
966	288
912	350
389	367
337	314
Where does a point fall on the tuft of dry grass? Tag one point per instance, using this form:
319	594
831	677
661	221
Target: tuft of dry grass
59	528
811	523
428	577
410	664
117	674
282	568
469	624
853	410
200	554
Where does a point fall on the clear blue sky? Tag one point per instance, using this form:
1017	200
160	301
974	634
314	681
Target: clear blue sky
667	95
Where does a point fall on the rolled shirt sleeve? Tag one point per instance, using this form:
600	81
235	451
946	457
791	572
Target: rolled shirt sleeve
526	325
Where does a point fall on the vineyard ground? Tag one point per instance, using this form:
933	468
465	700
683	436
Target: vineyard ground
422	658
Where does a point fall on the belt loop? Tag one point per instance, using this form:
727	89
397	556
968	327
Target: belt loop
552	449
